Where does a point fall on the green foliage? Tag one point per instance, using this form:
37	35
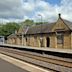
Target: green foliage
9	28
28	22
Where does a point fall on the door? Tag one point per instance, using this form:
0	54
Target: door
48	41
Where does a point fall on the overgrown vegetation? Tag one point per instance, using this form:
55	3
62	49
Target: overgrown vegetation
8	28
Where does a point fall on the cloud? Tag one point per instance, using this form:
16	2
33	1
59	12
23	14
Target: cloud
19	10
66	9
50	12
11	9
47	11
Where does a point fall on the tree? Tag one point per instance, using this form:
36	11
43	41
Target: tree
28	22
9	28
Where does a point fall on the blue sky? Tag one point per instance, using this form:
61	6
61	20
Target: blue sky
53	2
20	10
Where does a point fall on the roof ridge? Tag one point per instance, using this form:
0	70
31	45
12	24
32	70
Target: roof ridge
27	30
68	23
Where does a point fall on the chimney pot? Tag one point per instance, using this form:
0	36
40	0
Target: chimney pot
59	15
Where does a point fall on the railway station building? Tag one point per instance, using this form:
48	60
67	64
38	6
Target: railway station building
52	35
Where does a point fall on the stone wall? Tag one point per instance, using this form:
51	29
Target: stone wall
53	41
34	41
67	41
71	39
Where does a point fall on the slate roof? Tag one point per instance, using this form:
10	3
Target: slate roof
12	36
46	28
42	28
68	23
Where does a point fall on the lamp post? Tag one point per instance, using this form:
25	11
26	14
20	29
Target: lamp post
22	38
41	30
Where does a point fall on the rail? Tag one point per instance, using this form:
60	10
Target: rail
49	59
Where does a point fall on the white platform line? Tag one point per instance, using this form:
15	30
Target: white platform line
23	65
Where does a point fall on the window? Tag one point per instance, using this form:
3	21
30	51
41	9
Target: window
60	38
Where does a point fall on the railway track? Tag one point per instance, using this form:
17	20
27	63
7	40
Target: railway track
51	62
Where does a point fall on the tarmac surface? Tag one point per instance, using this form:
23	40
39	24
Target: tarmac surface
8	67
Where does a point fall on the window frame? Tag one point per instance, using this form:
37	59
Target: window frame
60	38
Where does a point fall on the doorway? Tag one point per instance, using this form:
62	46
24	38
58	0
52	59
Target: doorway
48	41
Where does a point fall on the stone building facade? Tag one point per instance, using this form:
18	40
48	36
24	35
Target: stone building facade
53	35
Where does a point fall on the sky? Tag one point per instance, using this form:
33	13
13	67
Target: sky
48	10
53	1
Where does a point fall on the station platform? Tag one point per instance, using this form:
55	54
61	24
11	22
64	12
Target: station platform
59	50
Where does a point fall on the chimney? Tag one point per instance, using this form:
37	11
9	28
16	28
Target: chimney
59	15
